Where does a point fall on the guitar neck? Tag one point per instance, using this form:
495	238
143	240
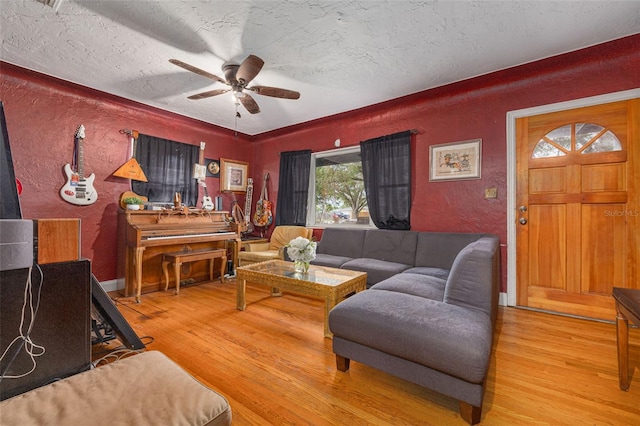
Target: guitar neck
247	202
80	157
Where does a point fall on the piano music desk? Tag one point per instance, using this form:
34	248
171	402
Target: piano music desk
179	257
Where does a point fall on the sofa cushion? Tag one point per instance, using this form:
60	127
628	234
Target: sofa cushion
144	389
329	260
448	338
345	242
470	282
391	246
425	270
415	284
439	249
377	270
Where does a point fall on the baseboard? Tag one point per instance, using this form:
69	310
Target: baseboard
502	299
111	285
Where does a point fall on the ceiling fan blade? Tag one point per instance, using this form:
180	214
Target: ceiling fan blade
275	92
249	68
208	94
249	103
196	70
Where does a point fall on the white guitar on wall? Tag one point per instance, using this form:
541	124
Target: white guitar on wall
79	190
200	171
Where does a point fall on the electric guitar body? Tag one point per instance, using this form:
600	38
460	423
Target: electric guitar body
79	190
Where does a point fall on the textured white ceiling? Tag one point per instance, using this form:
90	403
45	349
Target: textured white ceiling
340	55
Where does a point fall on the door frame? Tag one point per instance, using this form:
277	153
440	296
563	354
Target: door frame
512	116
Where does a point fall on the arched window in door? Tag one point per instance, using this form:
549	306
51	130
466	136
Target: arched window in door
585	138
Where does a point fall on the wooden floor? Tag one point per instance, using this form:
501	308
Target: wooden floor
275	367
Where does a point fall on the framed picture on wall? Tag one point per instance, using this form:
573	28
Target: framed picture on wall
455	160
233	175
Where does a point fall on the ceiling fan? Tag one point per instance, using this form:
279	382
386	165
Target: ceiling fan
237	77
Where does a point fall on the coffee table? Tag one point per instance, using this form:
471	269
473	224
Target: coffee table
330	284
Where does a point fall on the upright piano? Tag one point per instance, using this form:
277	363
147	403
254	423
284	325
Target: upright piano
144	235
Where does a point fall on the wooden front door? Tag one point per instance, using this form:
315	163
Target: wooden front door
578	201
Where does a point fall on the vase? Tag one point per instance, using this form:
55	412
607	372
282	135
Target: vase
301	266
133	206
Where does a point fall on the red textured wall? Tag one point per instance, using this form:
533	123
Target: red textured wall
43	114
471	109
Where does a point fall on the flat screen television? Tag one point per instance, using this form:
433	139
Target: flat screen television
9	201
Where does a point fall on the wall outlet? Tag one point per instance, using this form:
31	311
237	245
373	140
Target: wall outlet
490	193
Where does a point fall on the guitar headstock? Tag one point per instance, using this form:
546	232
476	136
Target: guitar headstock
80	132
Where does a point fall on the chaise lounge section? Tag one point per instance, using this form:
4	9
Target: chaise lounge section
433	322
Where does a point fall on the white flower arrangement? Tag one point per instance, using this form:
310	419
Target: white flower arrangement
301	249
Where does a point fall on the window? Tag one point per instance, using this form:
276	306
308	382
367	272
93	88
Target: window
168	166
587	138
336	189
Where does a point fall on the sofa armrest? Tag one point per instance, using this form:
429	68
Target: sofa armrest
256	247
473	277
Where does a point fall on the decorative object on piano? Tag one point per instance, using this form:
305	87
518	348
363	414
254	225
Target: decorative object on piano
233	175
177	200
134	203
302	251
247	207
263	215
78	189
131	194
238	217
213	167
131	169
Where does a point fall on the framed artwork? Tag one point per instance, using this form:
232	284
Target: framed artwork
455	160
213	167
233	175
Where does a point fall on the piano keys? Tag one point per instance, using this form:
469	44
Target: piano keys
144	235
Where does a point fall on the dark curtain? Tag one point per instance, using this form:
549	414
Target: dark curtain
386	168
293	188
168	166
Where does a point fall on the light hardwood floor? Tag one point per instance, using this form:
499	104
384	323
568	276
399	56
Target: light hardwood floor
275	367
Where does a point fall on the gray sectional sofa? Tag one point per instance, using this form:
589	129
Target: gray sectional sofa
429	313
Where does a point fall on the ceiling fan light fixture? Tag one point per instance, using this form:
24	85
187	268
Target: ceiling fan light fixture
238	93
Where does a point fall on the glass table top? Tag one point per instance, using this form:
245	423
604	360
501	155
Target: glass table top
317	274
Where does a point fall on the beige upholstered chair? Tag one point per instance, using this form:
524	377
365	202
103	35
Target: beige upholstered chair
274	249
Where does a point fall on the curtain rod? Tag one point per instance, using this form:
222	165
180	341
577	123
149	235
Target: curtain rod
132	133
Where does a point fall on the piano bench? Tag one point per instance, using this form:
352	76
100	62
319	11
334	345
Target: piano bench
177	258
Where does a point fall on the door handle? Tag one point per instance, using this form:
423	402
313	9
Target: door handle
522	208
522	221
